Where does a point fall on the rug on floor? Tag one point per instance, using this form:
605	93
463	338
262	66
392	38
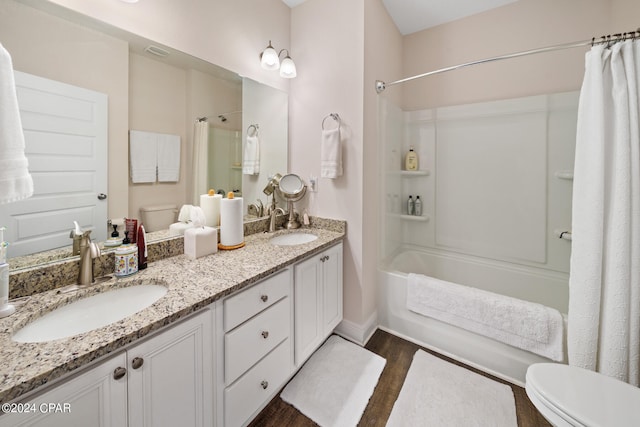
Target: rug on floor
335	384
439	393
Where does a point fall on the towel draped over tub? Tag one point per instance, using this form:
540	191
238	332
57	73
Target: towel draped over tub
523	324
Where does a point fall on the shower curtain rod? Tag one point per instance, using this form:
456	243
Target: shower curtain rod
611	38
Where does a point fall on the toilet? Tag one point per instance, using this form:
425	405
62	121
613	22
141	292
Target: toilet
158	217
571	396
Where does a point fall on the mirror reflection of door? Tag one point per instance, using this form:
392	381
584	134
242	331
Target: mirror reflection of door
65	130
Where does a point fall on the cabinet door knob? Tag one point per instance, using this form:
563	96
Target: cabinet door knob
137	362
264	298
265	334
264	384
119	372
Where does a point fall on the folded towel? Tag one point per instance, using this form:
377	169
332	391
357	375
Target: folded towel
330	154
168	157
523	324
251	155
143	149
15	181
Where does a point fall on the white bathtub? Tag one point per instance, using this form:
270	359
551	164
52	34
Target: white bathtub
526	283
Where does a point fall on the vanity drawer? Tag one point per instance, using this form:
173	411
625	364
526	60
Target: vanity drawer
248	343
258	385
249	302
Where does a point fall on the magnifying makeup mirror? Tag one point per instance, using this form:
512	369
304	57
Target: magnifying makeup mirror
292	189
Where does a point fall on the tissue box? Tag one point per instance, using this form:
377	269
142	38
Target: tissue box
200	241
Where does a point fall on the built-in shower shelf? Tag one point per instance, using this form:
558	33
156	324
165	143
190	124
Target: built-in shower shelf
410	217
424	172
566	174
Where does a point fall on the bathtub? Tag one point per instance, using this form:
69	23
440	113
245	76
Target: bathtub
526	283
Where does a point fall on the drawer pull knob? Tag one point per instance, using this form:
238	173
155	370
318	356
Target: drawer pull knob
119	372
265	334
264	298
264	384
137	362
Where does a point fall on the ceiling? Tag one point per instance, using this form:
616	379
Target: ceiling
416	15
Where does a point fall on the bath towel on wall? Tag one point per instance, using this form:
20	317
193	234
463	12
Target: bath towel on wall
251	155
154	156
330	154
523	324
168	158
15	181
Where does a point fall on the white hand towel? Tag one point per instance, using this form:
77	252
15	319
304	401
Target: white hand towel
251	155
142	153
168	158
330	154
15	181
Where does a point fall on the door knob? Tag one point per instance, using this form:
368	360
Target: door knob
102	196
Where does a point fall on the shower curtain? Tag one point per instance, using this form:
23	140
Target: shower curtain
604	284
200	160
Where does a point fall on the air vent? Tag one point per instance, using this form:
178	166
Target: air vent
155	50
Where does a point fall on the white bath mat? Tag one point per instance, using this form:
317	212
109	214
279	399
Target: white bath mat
335	384
439	393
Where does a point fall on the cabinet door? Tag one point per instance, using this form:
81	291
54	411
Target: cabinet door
93	398
171	376
308	315
332	288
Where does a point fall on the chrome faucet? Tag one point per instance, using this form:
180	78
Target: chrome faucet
88	251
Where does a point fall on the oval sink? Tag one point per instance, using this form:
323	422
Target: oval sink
90	313
292	239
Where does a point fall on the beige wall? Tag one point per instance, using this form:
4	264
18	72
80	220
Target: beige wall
53	48
382	59
157	103
523	25
230	34
328	41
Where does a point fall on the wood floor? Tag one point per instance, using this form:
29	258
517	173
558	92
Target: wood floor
399	354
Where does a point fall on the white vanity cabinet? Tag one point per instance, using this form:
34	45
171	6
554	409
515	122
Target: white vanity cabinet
166	380
318	300
170	376
258	350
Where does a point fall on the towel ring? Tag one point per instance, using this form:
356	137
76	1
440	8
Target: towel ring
334	116
255	129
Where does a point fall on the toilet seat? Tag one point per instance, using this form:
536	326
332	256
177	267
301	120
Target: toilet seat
571	396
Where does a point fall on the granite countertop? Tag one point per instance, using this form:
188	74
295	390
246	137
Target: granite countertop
192	285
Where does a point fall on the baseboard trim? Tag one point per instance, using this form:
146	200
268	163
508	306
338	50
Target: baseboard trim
359	334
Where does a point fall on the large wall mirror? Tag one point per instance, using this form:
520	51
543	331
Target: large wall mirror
152	88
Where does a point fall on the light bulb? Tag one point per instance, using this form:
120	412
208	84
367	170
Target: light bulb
269	59
288	68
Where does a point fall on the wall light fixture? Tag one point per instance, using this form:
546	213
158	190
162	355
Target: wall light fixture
270	60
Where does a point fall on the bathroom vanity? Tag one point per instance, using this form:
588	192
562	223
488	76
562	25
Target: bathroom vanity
231	330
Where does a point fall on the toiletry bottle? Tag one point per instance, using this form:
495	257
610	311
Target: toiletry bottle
141	241
411	160
410	206
417	206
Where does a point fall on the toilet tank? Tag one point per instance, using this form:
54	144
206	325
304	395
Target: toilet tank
158	217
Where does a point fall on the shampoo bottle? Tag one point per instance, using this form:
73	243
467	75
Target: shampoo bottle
417	206
411	160
410	206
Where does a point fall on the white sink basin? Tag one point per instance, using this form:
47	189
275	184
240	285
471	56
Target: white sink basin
90	313
292	239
